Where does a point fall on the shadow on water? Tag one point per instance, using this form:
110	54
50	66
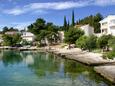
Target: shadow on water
48	66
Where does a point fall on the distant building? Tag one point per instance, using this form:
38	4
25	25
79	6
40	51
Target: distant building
108	25
12	32
28	36
61	35
88	30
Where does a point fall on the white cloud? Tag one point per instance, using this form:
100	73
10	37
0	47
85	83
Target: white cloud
15	11
104	2
42	7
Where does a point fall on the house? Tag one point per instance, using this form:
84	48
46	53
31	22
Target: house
108	25
12	32
88	30
28	36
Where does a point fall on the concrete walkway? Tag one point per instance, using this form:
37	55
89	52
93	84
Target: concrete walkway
107	72
83	56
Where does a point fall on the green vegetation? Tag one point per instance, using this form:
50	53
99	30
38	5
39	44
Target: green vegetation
46	33
73	19
72	35
93	21
81	42
5	29
92	43
102	42
11	40
87	43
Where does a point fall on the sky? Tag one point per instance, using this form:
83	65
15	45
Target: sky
21	13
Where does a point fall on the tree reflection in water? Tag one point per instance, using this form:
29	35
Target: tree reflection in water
11	57
45	65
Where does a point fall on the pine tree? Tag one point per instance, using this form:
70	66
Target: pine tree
68	25
73	20
65	22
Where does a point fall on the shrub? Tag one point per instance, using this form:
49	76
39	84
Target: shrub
111	43
81	42
91	42
102	42
85	42
110	55
72	35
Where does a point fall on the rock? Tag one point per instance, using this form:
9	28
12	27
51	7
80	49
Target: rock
106	71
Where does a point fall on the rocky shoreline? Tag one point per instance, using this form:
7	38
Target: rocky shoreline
104	67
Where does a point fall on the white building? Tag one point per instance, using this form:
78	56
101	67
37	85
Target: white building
108	25
88	30
28	36
61	35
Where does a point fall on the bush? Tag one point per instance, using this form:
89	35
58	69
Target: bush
102	42
72	35
110	55
85	42
111	43
81	42
91	42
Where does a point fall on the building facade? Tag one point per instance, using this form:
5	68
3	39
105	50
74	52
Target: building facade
28	36
108	25
88	30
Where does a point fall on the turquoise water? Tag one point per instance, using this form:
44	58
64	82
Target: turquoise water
41	69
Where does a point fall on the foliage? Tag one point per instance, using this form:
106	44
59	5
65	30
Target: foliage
93	21
72	35
5	29
110	55
73	19
24	42
37	26
10	40
102	42
65	26
46	33
85	42
81	42
91	42
111	43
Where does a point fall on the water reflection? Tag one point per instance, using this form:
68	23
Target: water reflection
47	66
11	57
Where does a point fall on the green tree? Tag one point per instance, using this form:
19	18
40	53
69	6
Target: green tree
102	41
5	29
10	40
72	35
92	20
45	32
73	18
82	42
65	22
85	42
37	26
111	43
91	42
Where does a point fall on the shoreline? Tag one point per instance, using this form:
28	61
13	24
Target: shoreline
101	66
96	60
